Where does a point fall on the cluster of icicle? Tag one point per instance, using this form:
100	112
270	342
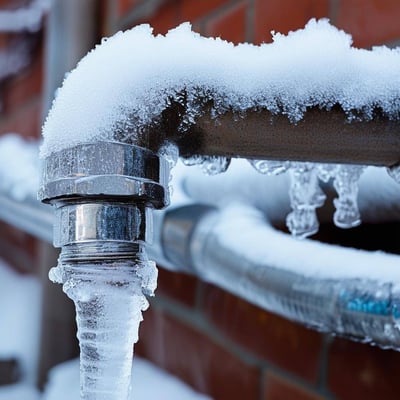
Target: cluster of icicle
109	300
305	191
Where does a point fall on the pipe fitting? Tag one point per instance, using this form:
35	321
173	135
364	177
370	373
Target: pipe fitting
103	194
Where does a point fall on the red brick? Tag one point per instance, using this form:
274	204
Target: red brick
25	86
193	9
18	248
371	22
359	371
285	15
278	388
229	25
165	18
281	342
197	360
25	121
177	286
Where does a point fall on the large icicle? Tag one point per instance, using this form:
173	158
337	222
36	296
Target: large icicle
345	182
109	300
305	197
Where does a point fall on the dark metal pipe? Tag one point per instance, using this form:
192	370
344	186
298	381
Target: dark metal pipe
321	136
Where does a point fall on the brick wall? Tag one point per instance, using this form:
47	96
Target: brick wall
216	342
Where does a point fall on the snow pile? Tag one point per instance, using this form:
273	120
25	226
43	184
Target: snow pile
19	167
20	391
148	382
19	320
128	80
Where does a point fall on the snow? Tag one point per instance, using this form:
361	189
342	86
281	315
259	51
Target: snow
19	167
20	391
242	230
127	80
19	333
148	382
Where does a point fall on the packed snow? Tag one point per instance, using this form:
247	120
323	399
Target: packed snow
20	300
129	79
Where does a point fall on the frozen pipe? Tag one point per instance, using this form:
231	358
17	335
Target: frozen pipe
340	292
104	190
103	194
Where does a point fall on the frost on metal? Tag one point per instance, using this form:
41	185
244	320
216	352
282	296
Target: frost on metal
125	83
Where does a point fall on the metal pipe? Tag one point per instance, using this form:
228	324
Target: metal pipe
220	248
321	136
103	194
71	31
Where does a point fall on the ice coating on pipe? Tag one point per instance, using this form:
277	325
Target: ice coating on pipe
109	300
128	80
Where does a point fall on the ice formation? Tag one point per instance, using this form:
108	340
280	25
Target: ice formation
306	195
109	298
123	86
127	81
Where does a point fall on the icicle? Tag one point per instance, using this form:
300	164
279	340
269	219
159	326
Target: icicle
305	197
347	214
211	165
214	165
109	300
170	152
327	171
193	160
270	167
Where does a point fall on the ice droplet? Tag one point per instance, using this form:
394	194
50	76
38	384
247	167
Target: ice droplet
305	197
347	214
270	167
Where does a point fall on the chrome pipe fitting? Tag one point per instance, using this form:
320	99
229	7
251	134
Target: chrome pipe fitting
103	194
